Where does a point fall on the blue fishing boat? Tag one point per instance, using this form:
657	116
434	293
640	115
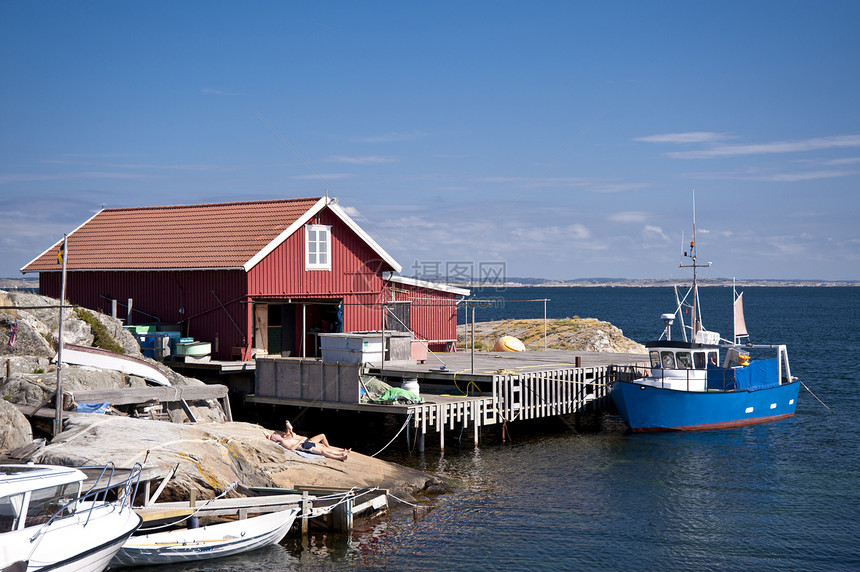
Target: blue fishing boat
703	381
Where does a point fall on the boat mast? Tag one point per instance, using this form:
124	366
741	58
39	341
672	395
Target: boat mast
695	318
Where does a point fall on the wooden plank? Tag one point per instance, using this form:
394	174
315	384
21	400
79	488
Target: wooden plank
130	395
167	515
221	507
40	412
225	402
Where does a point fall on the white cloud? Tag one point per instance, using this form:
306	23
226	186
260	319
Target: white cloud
393	137
629	217
776	177
846	161
365	160
323	176
691	137
617	187
28	177
816	144
351	211
792	177
153	166
650	230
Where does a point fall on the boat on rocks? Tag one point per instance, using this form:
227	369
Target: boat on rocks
205	542
47	524
704	381
97	357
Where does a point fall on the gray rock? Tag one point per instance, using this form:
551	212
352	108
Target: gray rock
15	430
28	389
24	364
211	456
30	338
42	308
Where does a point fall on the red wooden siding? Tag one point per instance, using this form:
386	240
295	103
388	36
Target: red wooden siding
434	313
189	298
355	275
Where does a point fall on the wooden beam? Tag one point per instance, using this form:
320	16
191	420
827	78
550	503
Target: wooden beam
130	395
160	488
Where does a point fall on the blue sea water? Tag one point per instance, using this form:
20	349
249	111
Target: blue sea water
777	496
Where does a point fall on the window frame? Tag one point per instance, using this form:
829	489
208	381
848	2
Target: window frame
316	229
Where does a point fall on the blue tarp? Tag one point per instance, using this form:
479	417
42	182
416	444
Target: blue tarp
758	375
93	408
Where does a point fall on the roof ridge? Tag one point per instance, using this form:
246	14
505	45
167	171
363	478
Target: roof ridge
203	205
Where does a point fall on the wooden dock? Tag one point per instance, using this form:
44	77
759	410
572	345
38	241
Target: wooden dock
331	509
459	391
136	395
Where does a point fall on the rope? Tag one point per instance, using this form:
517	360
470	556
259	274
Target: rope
816	397
403	501
408	417
227	490
466	393
427	347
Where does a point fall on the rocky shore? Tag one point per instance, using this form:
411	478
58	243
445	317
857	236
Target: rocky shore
575	334
209	455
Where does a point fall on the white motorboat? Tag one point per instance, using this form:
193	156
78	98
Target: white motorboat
47	524
204	542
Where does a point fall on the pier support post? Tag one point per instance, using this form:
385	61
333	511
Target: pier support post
442	437
306	505
477	430
341	515
420	446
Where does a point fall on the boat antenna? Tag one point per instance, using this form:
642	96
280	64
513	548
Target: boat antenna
695	314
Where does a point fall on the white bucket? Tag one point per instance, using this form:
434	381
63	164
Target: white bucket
410	384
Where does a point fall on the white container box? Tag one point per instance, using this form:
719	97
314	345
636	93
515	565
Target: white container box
351	348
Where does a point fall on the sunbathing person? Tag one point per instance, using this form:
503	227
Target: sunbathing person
317	444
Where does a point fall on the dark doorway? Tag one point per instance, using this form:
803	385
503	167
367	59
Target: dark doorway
282	329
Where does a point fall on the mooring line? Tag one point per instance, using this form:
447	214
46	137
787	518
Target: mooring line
816	397
405	423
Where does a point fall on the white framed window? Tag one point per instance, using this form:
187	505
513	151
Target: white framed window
317	247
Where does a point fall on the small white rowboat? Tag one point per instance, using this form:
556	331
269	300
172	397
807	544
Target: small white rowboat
212	541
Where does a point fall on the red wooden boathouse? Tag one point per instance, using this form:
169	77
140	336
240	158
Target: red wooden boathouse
250	277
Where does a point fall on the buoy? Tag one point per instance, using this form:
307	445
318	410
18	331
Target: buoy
508	344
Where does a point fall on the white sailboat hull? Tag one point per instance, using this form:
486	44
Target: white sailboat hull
95	357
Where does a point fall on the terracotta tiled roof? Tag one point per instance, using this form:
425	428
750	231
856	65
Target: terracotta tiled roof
225	235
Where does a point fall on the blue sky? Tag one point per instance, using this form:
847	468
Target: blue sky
562	139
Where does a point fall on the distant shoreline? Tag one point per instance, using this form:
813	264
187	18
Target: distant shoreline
25	283
659	283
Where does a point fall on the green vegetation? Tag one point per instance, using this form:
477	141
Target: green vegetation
39	370
51	341
101	338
